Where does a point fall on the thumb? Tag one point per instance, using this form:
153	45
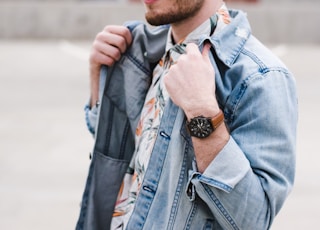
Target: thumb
205	51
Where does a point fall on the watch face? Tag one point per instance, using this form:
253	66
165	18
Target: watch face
200	127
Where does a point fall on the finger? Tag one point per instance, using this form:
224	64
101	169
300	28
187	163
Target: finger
121	31
109	50
192	48
115	40
102	59
206	50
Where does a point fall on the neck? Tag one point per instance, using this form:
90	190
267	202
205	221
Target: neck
181	29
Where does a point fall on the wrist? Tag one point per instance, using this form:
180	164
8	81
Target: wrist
208	109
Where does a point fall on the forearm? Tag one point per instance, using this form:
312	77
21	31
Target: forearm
94	86
254	172
92	108
207	149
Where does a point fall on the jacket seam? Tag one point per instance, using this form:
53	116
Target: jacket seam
178	193
191	215
262	74
109	128
85	198
137	63
220	207
124	140
254	58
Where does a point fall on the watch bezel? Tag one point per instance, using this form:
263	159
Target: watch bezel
200	127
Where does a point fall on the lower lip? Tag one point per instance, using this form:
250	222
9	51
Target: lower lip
148	2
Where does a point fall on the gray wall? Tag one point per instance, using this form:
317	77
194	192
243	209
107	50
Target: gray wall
294	21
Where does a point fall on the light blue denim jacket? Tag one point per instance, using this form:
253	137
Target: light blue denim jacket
247	183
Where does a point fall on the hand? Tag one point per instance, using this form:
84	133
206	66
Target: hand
107	48
191	82
109	45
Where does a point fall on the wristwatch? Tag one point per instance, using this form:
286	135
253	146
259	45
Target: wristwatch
202	127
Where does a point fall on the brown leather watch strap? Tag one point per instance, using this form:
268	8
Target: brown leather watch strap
217	120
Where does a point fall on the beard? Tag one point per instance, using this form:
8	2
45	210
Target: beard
177	12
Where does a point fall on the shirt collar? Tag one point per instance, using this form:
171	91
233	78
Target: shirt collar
204	29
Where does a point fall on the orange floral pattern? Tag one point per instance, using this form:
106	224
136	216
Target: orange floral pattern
147	128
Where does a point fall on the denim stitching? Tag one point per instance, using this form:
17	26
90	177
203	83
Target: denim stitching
137	63
244	85
220	207
124	140
178	192
109	128
85	198
253	57
193	212
215	183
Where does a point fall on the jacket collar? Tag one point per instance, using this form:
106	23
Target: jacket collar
229	42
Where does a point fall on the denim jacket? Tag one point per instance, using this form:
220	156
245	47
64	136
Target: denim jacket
244	187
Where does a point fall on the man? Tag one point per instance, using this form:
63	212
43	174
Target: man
194	123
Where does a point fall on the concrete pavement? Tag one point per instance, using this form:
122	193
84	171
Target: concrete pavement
44	145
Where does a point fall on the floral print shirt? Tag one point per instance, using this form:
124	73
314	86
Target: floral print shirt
147	129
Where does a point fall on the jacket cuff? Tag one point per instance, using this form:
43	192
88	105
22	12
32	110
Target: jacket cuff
91	115
224	172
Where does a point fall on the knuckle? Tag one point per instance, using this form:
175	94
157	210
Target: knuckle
106	60
99	36
107	28
117	55
95	45
94	60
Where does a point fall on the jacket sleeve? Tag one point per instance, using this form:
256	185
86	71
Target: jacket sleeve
248	182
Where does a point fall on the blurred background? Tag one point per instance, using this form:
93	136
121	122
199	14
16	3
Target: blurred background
44	144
